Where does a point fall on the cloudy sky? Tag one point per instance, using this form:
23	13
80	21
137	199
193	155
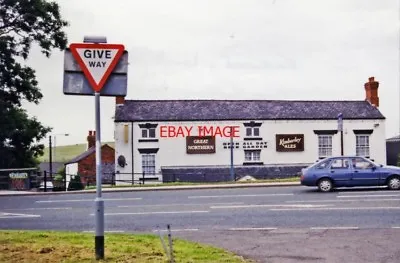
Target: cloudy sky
229	49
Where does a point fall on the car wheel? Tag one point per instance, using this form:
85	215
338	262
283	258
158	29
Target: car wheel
394	183
325	185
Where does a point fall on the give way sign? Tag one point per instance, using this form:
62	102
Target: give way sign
97	61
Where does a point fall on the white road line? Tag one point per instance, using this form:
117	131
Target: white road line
338	201
252	228
335	208
205	204
369	192
153	213
41	208
226	196
13	215
106	231
87	200
334	228
396	227
358	196
178	230
257	206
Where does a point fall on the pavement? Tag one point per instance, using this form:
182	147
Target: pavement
151	188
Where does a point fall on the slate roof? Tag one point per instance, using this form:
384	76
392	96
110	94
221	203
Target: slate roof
85	154
45	166
202	110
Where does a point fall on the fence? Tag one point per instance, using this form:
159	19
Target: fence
167	175
18	179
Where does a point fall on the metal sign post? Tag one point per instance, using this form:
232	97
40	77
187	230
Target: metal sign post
340	128
99	202
232	169
88	67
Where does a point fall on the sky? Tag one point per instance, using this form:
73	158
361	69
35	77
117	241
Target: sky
228	49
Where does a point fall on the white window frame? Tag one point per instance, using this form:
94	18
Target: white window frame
252	156
148	133
149	164
251	131
362	145
324	145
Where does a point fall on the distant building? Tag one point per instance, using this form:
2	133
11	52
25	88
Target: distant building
85	163
45	166
189	140
393	150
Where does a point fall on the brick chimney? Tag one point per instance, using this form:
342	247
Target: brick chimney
91	139
119	100
371	91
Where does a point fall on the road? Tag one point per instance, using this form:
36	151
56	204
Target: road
312	226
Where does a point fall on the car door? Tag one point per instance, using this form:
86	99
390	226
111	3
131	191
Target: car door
365	173
340	171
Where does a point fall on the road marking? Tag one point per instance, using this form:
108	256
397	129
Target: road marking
152	213
256	206
335	208
369	192
252	228
396	227
88	200
335	201
237	203
106	231
13	215
41	208
225	196
178	230
357	196
335	228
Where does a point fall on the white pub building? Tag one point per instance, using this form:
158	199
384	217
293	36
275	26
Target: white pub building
190	140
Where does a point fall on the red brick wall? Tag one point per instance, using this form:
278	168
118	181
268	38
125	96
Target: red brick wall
87	166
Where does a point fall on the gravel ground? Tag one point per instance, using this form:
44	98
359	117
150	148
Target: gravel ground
305	245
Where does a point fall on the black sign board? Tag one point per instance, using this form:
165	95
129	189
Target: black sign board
289	142
200	144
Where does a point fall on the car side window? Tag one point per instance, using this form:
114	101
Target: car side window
359	163
340	164
323	164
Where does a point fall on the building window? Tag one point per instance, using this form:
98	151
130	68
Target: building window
362	145
252	131
149	163
252	156
324	146
148	133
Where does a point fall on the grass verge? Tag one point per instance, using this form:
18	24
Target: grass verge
68	247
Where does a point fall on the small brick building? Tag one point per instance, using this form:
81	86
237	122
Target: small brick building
85	163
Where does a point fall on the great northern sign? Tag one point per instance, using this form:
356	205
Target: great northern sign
97	61
200	144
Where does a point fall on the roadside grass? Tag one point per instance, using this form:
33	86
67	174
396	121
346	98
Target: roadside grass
67	152
275	180
69	247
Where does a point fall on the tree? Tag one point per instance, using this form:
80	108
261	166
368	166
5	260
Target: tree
22	24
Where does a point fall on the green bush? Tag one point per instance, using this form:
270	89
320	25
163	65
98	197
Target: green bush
75	183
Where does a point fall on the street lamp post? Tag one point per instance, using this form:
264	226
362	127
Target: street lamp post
232	171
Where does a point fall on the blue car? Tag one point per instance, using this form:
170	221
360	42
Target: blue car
349	171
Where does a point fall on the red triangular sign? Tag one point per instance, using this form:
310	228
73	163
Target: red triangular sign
97	61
